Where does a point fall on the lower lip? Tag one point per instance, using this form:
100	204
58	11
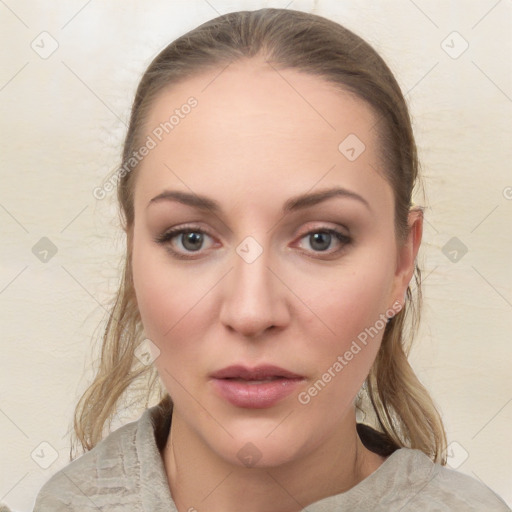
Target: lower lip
253	395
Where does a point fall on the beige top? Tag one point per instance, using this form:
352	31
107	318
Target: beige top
125	472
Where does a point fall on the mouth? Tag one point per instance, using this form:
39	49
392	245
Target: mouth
254	388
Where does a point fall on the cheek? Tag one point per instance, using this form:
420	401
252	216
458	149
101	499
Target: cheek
347	329
348	300
174	304
163	295
153	298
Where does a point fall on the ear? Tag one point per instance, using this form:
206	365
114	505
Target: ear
406	255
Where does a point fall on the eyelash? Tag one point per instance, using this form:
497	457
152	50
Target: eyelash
172	233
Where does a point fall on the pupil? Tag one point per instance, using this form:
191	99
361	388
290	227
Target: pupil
321	241
192	241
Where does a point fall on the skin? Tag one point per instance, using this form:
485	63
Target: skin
252	143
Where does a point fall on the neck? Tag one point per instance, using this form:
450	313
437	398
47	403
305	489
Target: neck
200	479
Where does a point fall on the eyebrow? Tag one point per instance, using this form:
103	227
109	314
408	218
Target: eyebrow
293	204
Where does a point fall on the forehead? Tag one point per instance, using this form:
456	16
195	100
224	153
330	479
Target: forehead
254	128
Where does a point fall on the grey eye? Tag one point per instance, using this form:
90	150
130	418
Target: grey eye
192	241
320	241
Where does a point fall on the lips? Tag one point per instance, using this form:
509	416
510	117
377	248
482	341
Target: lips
255	374
254	388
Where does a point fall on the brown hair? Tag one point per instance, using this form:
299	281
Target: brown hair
403	411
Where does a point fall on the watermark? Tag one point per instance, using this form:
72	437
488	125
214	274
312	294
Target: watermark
454	45
304	397
456	455
351	147
44	250
44	45
249	455
44	455
249	249
454	249
151	142
146	352
507	193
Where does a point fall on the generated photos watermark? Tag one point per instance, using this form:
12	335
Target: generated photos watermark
342	361
152	140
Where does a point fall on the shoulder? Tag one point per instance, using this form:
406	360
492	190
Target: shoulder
104	474
432	487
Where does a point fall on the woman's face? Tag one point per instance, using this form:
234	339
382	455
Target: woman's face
269	308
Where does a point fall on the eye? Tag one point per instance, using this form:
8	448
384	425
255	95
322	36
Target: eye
184	240
188	242
322	240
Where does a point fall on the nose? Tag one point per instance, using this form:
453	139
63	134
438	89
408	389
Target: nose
254	299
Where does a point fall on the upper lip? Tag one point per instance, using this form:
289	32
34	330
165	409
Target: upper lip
257	373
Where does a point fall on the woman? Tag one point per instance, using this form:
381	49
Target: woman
266	194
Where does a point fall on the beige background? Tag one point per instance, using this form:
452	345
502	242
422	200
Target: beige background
63	119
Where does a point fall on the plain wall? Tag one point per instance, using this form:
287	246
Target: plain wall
63	118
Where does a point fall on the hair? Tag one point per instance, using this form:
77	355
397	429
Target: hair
404	413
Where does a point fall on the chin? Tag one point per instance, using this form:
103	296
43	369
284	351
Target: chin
261	453
263	443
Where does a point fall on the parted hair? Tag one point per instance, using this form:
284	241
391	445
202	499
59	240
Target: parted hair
403	412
